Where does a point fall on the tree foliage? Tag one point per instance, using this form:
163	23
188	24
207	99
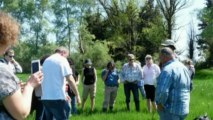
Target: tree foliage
97	29
128	27
206	36
169	9
24	53
192	42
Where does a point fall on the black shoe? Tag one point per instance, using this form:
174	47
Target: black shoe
104	110
110	108
128	106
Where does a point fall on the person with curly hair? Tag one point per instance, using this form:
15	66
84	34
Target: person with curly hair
10	89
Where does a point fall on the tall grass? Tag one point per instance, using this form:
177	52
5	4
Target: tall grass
200	104
202	95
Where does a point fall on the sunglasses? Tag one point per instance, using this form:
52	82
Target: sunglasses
131	59
11	56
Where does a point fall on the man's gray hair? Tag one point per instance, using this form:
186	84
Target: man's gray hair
167	51
61	49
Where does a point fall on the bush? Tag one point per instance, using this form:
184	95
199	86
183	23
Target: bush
98	53
25	52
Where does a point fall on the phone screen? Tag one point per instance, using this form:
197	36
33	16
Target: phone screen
35	67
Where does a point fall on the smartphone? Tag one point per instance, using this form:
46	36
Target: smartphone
35	66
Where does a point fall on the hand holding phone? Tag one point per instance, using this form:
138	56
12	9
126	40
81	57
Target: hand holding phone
35	66
35	79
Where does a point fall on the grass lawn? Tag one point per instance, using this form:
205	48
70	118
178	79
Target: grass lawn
201	102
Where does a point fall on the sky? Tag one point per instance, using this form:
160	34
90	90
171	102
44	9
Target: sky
185	17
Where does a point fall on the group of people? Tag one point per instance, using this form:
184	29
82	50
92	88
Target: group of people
166	88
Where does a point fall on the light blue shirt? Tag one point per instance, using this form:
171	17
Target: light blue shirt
55	69
131	73
173	88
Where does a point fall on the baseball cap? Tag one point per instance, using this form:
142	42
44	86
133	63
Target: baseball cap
169	43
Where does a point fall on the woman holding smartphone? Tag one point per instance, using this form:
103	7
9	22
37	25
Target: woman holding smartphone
14	103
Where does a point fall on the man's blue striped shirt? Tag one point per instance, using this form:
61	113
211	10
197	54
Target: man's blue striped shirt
173	88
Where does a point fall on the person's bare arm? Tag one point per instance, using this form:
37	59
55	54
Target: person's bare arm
17	66
96	78
83	77
160	107
77	79
73	86
104	77
19	103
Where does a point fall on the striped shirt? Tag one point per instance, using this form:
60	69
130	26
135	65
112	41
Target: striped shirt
131	73
173	88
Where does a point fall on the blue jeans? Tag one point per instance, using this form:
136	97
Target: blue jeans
73	105
40	110
165	115
128	87
142	91
56	109
68	109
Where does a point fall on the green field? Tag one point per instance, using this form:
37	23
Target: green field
201	102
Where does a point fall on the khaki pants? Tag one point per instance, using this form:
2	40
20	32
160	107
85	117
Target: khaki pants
89	90
110	95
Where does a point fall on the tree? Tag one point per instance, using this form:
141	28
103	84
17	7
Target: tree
24	53
64	21
169	8
31	16
121	27
152	27
126	28
125	35
192	40
83	7
206	37
68	18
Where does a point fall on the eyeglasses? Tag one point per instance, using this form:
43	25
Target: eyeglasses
148	58
131	59
11	56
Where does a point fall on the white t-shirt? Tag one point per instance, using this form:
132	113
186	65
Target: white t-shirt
150	74
55	68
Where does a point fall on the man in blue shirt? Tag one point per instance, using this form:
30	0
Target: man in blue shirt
173	88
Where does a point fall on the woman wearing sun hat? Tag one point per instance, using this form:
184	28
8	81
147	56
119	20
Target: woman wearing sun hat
89	78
